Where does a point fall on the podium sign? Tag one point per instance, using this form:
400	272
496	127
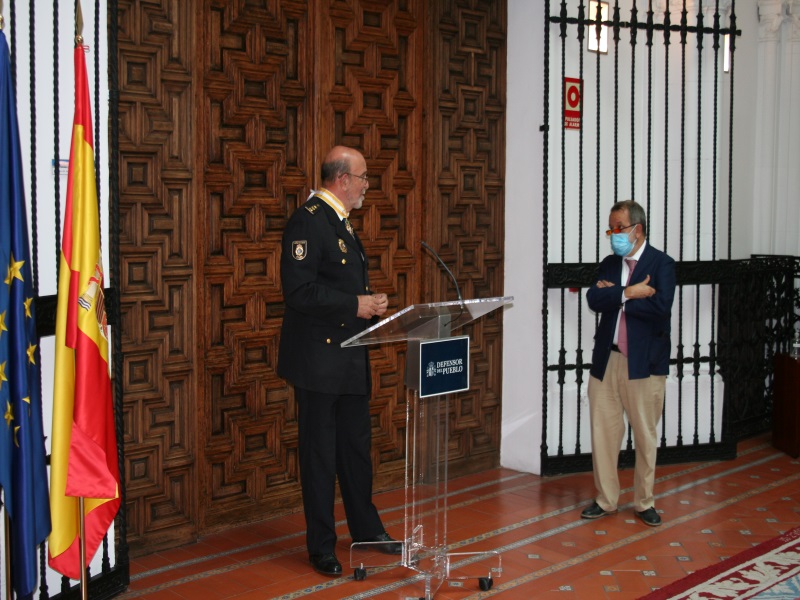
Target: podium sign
443	366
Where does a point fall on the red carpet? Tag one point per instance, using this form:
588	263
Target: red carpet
769	570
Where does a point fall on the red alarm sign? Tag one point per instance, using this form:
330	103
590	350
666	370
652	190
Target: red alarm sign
572	103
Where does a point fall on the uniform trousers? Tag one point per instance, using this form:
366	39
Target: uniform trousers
335	437
642	400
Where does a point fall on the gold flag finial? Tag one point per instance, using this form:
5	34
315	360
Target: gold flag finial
78	25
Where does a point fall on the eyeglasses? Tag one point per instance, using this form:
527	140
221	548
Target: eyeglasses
620	229
364	177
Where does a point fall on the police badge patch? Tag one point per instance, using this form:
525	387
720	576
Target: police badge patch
342	246
299	249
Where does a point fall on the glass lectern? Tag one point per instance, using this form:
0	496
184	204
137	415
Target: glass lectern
425	547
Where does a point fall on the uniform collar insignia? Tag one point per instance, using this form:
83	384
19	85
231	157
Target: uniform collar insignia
334	202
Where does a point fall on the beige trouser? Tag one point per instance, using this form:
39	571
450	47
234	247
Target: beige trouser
642	401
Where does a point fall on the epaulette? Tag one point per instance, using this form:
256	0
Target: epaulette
313	206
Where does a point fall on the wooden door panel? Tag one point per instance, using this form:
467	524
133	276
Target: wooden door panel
226	111
256	161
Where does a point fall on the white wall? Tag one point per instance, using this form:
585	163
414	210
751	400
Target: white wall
522	325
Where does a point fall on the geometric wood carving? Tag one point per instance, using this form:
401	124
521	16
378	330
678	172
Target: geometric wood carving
225	117
157	283
466	203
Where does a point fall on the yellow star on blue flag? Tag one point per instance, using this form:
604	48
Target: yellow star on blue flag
14	270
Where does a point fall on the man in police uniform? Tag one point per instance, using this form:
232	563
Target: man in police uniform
328	300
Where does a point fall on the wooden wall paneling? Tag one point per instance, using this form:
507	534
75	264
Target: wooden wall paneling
466	202
371	83
256	154
227	109
157	271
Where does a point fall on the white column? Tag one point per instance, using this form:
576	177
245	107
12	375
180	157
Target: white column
522	330
786	230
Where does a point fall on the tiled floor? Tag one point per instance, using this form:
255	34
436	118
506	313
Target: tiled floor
710	510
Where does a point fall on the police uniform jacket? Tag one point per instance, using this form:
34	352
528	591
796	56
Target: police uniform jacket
323	269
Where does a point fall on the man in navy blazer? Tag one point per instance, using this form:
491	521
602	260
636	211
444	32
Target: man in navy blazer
633	293
324	276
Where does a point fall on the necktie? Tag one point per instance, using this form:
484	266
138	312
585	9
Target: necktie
622	336
349	227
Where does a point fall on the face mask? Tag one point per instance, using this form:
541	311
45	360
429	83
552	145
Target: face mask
621	243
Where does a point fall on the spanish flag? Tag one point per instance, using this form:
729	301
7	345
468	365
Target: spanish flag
83	462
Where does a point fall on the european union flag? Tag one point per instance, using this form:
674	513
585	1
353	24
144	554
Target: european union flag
23	472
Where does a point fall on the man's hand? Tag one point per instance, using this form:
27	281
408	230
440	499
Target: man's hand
604	284
373	305
640	290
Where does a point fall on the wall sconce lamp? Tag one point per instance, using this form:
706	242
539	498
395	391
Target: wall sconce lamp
602	48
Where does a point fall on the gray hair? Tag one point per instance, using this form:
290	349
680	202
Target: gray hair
333	169
635	212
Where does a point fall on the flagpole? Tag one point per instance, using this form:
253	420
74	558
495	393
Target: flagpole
84	587
84	582
7	523
7	528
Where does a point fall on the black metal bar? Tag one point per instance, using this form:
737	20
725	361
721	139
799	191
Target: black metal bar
643	26
122	551
634	30
56	143
666	456
712	344
545	199
730	129
579	349
46	307
616	95
562	351
696	272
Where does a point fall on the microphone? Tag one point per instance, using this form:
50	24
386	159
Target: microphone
441	262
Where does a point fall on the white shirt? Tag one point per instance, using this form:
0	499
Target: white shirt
623	280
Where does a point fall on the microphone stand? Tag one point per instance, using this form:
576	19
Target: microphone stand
452	277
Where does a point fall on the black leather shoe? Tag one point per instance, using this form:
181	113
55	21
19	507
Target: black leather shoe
389	545
594	511
326	564
649	517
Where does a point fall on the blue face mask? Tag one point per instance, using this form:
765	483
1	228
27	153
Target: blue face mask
621	243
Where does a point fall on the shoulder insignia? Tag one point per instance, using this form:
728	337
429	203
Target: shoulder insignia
312	207
342	246
299	249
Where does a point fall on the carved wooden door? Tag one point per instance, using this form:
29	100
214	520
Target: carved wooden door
228	107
